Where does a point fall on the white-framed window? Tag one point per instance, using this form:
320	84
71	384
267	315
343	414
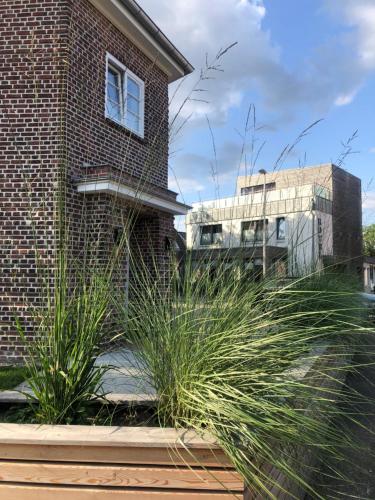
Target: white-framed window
124	96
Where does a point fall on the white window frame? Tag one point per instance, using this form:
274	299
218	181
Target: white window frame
124	72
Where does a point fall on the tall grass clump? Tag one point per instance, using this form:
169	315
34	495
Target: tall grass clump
69	330
225	355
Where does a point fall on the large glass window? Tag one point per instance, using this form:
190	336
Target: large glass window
211	234
259	230
124	97
252	230
248	231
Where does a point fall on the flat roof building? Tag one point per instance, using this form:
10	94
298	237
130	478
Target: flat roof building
312	217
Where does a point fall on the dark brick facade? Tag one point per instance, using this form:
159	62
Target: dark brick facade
52	65
347	219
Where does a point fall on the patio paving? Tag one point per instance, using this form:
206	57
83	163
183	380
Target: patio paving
125	382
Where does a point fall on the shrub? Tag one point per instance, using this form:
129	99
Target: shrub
69	331
222	355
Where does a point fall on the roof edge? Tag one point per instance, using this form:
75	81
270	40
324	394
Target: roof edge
129	18
145	20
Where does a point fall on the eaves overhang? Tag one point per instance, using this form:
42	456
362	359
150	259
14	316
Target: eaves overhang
130	193
136	25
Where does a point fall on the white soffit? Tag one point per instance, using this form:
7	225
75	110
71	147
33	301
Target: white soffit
115	188
132	29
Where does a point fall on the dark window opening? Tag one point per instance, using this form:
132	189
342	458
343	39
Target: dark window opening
280	228
211	234
270	186
252	230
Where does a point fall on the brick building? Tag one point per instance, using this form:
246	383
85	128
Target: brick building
84	98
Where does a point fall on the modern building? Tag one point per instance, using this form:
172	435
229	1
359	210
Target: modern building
85	118
369	274
293	220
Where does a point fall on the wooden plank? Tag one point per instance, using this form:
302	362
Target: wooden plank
83	435
23	492
104	454
120	476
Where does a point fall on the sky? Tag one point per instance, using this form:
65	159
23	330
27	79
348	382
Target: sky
293	63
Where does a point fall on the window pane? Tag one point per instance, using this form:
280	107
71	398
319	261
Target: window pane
132	105
113	103
259	231
281	228
113	110
133	88
113	93
216	233
113	77
132	122
248	232
205	235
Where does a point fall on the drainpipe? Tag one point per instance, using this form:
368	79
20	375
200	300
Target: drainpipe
313	231
263	172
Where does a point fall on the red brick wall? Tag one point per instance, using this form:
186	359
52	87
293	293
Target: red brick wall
91	137
52	65
32	41
95	140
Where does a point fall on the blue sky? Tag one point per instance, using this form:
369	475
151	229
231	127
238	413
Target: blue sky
295	62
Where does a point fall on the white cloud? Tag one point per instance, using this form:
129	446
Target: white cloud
361	15
345	99
332	75
369	201
357	45
372	150
185	185
200	27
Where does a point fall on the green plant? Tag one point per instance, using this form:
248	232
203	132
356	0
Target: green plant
222	353
11	376
369	240
70	327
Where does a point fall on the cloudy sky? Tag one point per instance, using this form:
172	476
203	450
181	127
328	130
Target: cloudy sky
294	63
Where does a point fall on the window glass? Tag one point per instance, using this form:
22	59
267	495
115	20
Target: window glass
133	105
280	228
248	231
132	122
211	234
270	186
113	76
259	230
114	94
216	233
206	235
125	97
133	88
